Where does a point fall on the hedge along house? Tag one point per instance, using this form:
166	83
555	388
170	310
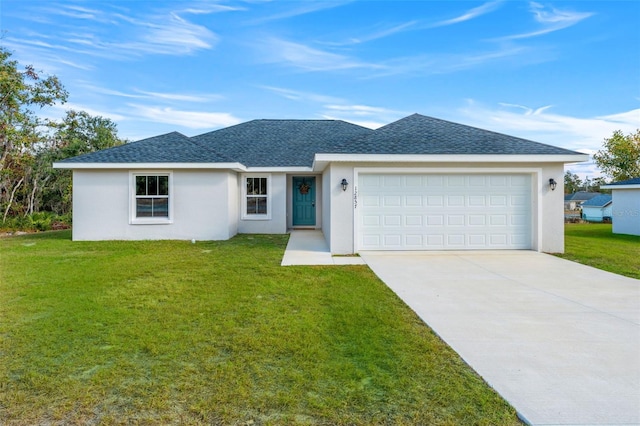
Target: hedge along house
419	183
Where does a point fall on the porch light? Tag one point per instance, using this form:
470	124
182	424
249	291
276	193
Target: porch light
344	184
552	184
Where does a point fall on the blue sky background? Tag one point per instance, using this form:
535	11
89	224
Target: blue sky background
565	73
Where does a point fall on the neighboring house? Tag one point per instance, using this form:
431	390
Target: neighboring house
626	202
575	200
416	184
597	209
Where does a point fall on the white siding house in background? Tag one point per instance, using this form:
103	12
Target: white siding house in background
419	183
626	206
597	209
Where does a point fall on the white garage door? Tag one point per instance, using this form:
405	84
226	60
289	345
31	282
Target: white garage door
444	212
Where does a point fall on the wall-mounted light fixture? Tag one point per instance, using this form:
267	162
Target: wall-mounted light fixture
344	184
553	184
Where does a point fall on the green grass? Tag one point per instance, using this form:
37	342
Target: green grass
595	245
216	333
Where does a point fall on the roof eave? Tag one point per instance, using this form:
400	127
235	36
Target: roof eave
633	186
321	160
148	166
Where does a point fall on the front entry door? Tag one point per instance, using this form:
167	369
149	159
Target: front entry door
304	201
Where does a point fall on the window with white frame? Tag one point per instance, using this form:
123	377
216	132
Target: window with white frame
151	197
256	200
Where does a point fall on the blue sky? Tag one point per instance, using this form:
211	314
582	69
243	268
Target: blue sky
565	73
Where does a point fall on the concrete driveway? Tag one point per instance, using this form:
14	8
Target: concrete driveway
560	341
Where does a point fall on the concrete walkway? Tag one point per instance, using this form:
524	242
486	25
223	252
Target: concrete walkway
308	247
560	341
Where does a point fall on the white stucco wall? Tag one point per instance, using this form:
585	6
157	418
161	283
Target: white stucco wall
200	199
277	224
341	209
626	211
547	205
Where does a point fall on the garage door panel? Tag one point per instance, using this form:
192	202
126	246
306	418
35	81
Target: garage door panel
418	212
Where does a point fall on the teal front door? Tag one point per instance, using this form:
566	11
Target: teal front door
304	201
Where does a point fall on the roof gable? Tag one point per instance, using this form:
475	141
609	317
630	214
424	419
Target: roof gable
419	134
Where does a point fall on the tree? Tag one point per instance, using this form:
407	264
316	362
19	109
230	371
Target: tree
572	182
21	131
620	156
29	145
78	133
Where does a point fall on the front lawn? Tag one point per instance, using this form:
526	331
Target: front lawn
216	333
595	245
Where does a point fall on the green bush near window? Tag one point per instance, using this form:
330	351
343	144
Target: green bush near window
170	332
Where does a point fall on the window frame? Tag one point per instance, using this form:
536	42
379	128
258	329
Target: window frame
133	197
245	196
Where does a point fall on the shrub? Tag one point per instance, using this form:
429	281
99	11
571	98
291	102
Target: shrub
40	221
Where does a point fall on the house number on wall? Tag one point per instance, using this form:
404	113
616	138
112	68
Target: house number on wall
355	197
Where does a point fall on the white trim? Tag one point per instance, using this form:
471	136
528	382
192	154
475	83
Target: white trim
299	169
449	158
243	189
133	220
535	172
146	166
630	186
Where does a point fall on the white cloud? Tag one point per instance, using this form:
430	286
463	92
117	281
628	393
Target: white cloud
450	63
182	97
297	95
58	111
417	25
382	33
362	115
364	123
551	20
583	134
305	8
188	119
470	14
164	34
307	58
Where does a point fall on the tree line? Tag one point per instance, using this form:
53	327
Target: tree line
29	144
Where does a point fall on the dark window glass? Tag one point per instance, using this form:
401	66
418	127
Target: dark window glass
250	186
152	185
160	207
144	207
163	185
261	207
141	185
252	205
263	186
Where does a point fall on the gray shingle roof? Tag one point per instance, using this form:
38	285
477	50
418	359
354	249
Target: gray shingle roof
599	201
418	134
281	143
291	143
172	147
